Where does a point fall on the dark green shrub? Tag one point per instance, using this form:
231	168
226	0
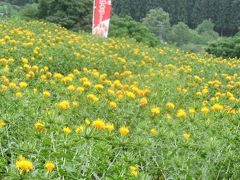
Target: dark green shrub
180	34
29	11
228	47
72	14
129	28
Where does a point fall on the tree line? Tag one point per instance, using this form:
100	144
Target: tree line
225	14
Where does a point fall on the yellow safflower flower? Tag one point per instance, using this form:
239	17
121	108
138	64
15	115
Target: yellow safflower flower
80	129
192	111
75	103
93	97
217	107
143	101
204	110
39	126
2	123
181	114
134	170
110	91
109	127
3	87
123	131
23	84
24	165
186	136
113	104
87	84
170	105
67	130
35	68
99	86
198	94
19	94
87	122
153	132
64	105
46	93
71	88
49	74
80	89
131	95
99	124
155	110
58	76
49	166
24	60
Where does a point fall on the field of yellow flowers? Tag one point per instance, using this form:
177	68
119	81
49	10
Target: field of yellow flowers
73	106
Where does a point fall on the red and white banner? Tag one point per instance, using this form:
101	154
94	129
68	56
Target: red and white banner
101	17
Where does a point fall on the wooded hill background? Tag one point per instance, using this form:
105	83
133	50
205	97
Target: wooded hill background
225	14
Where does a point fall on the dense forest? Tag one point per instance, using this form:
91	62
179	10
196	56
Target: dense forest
225	14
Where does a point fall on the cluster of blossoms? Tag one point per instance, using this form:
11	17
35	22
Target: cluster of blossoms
97	124
24	165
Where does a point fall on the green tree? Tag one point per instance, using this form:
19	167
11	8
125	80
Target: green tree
206	31
180	34
72	14
29	11
7	9
127	27
158	23
205	26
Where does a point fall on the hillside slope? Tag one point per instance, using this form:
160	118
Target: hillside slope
113	108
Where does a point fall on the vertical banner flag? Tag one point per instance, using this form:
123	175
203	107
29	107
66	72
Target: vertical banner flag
101	17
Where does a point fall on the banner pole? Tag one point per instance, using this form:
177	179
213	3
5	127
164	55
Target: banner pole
94	7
